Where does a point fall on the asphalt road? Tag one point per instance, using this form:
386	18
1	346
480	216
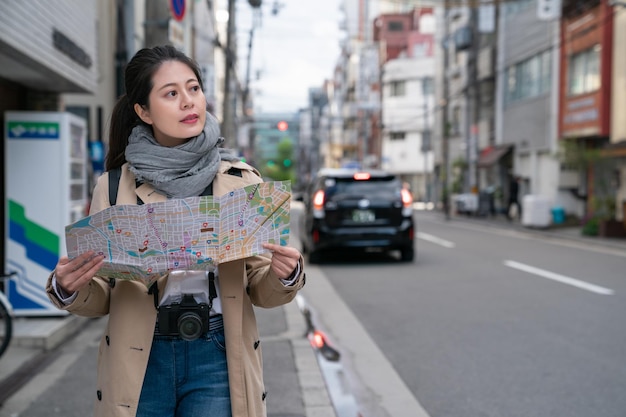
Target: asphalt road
486	322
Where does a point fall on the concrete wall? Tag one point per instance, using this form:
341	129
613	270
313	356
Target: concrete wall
524	123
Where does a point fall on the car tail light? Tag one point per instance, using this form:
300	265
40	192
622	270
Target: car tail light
318	200
407	198
407	202
318	204
360	176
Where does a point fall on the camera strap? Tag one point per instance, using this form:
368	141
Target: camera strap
154	290
212	289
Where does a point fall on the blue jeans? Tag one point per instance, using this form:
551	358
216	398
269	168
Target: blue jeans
186	378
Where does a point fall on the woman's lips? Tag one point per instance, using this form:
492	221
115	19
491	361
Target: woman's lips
190	119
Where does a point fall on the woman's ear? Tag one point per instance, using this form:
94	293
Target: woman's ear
143	114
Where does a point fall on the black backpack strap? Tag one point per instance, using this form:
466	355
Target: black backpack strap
208	190
139	200
114	183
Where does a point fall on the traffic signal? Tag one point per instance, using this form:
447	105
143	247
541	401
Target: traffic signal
287	162
282	125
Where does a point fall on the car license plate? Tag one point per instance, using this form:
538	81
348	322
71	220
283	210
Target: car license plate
363	216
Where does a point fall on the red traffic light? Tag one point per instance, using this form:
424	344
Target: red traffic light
282	125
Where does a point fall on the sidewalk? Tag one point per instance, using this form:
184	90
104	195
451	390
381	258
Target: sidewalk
571	233
293	379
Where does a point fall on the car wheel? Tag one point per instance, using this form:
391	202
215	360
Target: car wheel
407	254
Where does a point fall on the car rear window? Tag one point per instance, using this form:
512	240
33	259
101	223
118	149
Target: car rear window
386	187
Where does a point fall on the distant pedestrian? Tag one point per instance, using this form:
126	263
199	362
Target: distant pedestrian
514	200
189	346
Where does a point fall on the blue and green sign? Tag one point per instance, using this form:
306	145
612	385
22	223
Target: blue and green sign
33	130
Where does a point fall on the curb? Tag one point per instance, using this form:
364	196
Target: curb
315	394
45	333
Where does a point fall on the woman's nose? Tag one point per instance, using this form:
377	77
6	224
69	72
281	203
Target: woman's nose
186	101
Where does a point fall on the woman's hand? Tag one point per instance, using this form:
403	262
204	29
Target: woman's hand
284	259
74	275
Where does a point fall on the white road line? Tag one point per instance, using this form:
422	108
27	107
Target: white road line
560	278
435	239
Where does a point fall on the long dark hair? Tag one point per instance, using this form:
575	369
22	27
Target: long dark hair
138	84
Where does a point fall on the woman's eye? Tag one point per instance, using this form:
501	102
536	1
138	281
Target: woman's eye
171	94
195	88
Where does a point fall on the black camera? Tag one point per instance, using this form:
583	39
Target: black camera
187	319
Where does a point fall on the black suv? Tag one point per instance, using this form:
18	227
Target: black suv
348	208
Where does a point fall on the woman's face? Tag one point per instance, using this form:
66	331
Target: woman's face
177	104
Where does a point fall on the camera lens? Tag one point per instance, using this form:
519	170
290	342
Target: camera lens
189	326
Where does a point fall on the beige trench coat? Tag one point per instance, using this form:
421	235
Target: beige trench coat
125	344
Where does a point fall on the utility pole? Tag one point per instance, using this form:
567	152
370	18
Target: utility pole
246	88
471	106
256	21
426	138
445	171
228	117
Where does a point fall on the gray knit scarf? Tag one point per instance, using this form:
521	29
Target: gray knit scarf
181	171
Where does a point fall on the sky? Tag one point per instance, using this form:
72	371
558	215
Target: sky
292	51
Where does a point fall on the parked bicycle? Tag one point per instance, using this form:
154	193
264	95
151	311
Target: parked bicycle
6	317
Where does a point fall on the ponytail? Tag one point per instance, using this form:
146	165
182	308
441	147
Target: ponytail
123	119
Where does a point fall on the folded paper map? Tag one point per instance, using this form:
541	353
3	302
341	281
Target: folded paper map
144	242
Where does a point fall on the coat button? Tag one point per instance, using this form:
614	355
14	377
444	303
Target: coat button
99	395
256	344
107	340
111	282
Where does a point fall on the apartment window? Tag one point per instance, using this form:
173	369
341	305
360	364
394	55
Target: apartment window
584	71
397	135
395	26
421	50
398	88
428	86
512	8
529	78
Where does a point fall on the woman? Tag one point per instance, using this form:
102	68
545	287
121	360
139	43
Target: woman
167	147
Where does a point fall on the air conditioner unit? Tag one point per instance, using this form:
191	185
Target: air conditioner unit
548	9
463	38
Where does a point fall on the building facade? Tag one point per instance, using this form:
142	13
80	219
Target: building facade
407	97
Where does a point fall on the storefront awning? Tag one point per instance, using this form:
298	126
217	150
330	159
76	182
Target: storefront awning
492	154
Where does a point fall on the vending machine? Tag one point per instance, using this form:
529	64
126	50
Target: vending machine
46	189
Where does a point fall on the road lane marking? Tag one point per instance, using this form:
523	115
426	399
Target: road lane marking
436	240
560	278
